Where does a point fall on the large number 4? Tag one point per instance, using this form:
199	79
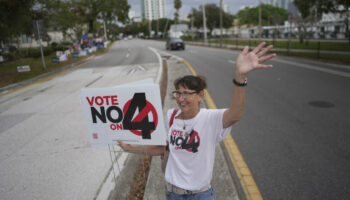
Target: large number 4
141	122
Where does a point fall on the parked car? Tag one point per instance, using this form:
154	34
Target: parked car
174	44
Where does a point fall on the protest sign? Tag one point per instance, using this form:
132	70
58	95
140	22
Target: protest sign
63	57
24	68
59	53
82	53
131	113
67	52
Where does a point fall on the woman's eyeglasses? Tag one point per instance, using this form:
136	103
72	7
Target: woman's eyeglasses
184	94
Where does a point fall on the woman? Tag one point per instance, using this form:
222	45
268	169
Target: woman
193	133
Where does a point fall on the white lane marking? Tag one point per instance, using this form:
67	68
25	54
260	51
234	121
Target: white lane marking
231	61
160	69
192	51
131	71
330	71
140	67
127	55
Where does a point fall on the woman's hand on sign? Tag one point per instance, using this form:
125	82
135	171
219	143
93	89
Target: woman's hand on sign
151	150
125	147
249	61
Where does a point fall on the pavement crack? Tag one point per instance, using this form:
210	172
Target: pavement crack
92	82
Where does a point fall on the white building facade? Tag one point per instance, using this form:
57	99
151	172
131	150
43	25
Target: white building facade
152	9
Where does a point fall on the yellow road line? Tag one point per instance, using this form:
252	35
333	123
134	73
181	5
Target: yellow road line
245	177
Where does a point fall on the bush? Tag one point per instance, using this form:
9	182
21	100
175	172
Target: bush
61	48
12	49
47	51
66	43
186	37
54	45
11	56
34	52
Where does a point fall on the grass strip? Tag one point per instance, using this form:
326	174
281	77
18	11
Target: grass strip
10	75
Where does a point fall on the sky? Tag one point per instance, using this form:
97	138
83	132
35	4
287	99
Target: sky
187	5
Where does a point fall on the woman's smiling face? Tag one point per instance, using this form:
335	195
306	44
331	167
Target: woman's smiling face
188	100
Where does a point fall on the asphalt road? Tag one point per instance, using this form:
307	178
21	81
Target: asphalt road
44	148
294	135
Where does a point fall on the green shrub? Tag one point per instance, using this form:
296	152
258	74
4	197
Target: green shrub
11	56
34	52
186	37
61	48
54	45
47	50
66	43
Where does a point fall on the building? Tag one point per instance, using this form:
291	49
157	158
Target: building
225	7
152	9
178	30
131	14
286	4
279	3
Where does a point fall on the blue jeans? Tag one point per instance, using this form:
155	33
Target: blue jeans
206	195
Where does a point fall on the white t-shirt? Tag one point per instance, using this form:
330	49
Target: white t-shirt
191	159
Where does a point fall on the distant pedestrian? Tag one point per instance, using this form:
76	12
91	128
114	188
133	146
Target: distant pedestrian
193	133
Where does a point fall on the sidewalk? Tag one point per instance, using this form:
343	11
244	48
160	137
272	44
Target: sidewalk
223	183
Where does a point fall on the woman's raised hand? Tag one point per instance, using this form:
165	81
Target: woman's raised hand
249	61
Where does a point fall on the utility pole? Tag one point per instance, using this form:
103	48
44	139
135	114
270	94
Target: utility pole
150	27
220	23
259	19
158	27
41	46
104	27
192	21
204	23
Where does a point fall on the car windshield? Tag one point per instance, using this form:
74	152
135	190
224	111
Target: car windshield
175	40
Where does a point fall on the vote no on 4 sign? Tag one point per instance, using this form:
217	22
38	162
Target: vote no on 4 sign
132	113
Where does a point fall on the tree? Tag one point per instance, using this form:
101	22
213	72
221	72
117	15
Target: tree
92	10
17	17
177	6
313	9
270	15
212	14
163	25
307	10
342	7
64	18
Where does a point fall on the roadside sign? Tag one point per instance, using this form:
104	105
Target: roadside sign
131	113
24	68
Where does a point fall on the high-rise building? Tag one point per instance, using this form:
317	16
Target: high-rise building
286	4
225	7
279	3
152	9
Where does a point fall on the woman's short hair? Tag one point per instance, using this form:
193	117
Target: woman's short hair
196	83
